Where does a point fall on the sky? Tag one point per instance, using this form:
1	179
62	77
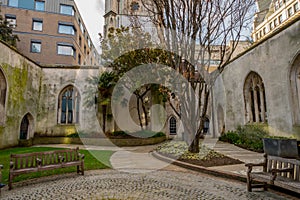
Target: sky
92	12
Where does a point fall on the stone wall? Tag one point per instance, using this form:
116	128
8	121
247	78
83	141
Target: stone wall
272	60
23	80
53	82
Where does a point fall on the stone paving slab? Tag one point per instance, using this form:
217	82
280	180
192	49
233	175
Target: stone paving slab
112	184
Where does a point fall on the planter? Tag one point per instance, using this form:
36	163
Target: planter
286	148
98	141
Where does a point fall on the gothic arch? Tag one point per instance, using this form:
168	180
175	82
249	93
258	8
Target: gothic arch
295	89
26	127
68	106
3	91
255	99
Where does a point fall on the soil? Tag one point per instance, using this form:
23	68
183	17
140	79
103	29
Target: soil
216	161
213	162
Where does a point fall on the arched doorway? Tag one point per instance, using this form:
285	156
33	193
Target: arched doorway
26	127
172	126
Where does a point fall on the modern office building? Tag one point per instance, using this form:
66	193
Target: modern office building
52	33
272	15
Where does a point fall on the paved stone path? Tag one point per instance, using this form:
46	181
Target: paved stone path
113	184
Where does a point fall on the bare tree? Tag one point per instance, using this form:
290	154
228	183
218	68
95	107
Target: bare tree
195	30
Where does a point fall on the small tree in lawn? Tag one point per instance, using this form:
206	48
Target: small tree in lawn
193	29
126	48
6	32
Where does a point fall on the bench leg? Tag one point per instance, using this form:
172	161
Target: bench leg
265	187
78	169
249	182
82	168
10	182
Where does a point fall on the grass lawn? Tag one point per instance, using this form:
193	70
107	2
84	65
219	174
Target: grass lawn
90	162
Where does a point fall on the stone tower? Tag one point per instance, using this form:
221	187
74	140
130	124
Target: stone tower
121	13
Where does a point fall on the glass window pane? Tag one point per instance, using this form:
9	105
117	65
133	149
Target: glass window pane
36	47
66	29
65	50
13	3
40	5
11	20
37	26
66	9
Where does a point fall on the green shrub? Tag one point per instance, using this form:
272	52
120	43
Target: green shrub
249	137
230	137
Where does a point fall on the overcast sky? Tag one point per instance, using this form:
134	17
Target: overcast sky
92	12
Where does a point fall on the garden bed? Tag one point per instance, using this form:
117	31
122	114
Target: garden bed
206	157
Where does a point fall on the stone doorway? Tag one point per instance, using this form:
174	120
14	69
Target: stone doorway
26	127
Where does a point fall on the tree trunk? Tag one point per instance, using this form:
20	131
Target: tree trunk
194	147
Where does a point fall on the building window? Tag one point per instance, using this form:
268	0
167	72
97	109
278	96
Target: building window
37	25
80	41
296	7
68	106
134	6
271	26
290	12
79	59
11	19
255	99
84	49
67	9
13	3
66	29
40	5
276	22
278	4
280	19
89	42
36	46
65	49
264	31
3	88
172	126
81	26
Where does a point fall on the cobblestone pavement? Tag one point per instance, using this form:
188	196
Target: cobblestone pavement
113	184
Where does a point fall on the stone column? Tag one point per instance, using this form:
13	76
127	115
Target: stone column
262	105
256	105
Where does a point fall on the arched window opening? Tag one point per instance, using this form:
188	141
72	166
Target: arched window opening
295	90
68	106
255	99
172	126
3	88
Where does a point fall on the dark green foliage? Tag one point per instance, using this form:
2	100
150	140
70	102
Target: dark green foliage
138	134
249	137
6	32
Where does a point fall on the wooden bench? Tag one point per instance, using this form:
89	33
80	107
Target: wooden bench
40	161
278	171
